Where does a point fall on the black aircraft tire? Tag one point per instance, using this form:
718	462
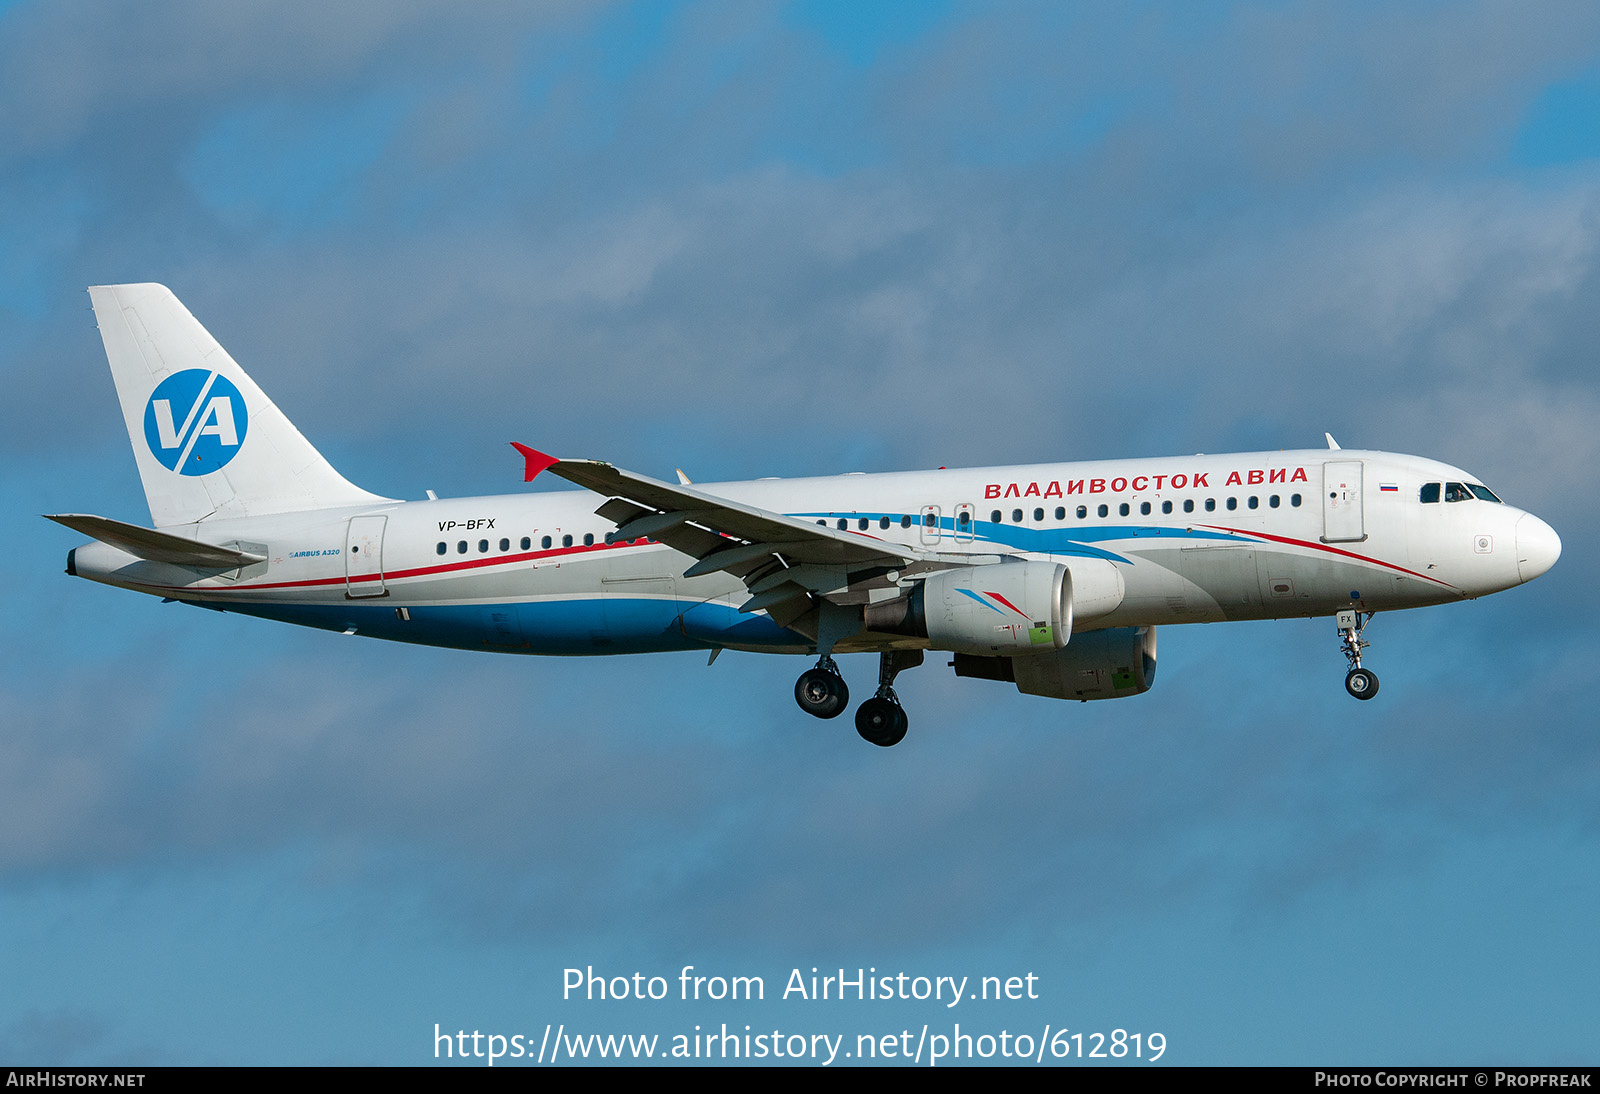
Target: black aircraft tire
1362	683
881	722
821	694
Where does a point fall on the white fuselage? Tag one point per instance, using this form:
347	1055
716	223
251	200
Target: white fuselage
1193	539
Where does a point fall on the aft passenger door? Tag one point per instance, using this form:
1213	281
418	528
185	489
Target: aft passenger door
363	558
1341	502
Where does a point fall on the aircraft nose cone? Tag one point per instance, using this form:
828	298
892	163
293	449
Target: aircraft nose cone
1538	547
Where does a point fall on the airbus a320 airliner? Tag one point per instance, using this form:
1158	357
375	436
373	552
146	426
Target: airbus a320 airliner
1053	577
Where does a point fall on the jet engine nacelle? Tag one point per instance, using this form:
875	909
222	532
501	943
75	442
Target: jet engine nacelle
1007	609
1106	664
993	611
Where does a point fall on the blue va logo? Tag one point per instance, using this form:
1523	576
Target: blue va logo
195	422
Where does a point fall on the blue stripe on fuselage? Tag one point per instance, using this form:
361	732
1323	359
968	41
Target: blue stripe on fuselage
585	626
1045	541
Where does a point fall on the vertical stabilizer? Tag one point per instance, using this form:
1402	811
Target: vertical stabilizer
208	442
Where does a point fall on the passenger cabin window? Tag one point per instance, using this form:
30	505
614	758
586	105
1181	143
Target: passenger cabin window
566	541
861	525
588	539
843	524
1211	505
1255	502
505	545
1166	507
1188	505
1123	509
963	518
883	523
1061	513
1016	516
442	547
1103	511
1083	511
1233	503
1294	500
994	517
1429	493
1273	501
483	546
526	543
905	521
1144	508
461	548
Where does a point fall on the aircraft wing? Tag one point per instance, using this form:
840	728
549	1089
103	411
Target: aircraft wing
780	558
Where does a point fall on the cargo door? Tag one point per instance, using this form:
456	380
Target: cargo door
638	607
1226	574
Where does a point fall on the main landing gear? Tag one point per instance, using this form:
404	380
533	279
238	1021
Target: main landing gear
821	692
1360	682
881	720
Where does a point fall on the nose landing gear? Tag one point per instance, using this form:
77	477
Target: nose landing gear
1359	682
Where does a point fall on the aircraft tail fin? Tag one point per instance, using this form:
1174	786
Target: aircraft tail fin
208	441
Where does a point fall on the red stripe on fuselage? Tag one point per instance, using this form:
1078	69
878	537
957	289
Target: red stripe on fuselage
421	571
1330	550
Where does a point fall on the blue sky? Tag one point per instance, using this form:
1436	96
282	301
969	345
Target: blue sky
784	239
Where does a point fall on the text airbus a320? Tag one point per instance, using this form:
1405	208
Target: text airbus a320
1053	577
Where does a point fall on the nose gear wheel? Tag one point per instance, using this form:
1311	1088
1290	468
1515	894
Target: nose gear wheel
1359	682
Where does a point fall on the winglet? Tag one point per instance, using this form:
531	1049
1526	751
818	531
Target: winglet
1333	444
535	461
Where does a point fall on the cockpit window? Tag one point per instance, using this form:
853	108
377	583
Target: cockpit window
1430	492
1455	491
1484	493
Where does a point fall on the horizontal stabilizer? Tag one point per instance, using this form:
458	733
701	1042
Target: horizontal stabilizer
147	543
